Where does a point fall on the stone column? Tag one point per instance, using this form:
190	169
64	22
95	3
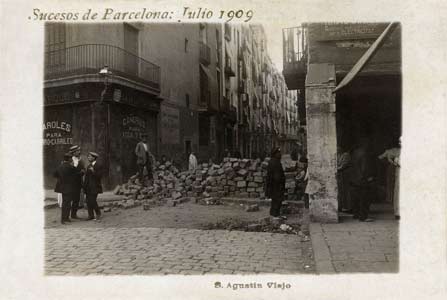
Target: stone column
321	143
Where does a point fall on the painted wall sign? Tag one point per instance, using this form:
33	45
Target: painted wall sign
170	122
349	31
133	126
57	133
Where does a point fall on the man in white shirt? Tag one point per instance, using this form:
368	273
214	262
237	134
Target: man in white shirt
192	162
144	158
79	164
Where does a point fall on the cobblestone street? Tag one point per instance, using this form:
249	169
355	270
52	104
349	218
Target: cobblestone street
128	251
164	240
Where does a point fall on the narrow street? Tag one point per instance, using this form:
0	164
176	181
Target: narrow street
170	240
176	240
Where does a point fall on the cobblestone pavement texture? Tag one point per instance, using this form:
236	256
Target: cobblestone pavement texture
168	240
186	215
361	247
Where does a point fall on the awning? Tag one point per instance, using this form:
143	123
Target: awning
366	57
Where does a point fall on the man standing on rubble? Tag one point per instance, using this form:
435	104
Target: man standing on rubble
275	182
192	162
143	158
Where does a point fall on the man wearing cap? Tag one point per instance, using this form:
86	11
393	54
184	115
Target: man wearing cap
66	176
143	158
79	164
92	186
275	182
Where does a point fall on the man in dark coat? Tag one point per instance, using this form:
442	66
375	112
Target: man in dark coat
79	164
66	178
362	175
275	182
92	186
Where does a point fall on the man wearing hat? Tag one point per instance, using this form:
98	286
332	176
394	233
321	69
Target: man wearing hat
143	158
79	164
275	182
92	186
66	176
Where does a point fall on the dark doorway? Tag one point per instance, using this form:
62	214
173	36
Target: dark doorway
370	107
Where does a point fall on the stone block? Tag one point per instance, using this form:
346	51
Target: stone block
116	189
176	195
242	172
241	183
254	227
250	189
252	184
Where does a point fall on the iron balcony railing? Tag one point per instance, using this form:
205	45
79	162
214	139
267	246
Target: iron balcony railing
88	59
205	53
294	46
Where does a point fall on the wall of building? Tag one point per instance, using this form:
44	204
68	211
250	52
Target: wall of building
344	44
95	33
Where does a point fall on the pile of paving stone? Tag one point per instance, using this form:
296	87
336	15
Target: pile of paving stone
262	225
240	178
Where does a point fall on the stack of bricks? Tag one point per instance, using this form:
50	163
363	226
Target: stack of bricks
241	178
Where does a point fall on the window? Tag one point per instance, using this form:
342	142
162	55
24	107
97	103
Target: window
187	100
55	44
186	45
203	36
204	130
204	90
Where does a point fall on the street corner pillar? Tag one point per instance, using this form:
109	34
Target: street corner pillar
321	143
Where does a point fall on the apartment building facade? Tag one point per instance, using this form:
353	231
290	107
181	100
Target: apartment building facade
198	87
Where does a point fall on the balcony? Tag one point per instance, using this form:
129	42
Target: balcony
295	57
88	59
204	53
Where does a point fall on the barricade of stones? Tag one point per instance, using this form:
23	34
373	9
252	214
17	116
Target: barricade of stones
240	178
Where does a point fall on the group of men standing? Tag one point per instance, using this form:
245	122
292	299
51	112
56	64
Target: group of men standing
359	164
74	175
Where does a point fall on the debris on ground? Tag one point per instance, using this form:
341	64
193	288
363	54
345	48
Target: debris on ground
262	225
252	208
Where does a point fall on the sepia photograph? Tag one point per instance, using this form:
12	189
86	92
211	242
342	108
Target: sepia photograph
223	150
188	149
